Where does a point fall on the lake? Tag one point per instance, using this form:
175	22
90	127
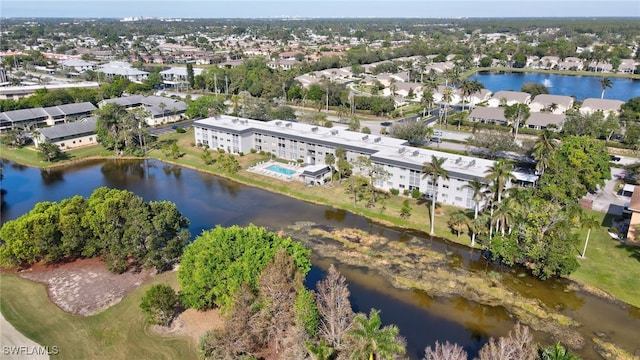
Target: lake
580	87
208	200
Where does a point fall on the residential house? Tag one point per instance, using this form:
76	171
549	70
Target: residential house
488	115
477	98
69	136
438	95
310	144
19	92
556	104
77	65
509	98
628	66
633	233
122	69
284	64
571	63
161	110
591	105
541	121
597	66
177	75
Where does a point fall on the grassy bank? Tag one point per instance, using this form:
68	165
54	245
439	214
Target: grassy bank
119	332
609	266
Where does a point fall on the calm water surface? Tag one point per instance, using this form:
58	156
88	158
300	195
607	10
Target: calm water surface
580	87
207	201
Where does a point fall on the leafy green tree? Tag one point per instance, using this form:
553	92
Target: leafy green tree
368	340
435	170
228	163
405	210
219	261
579	166
114	224
205	106
160	304
306	312
414	132
49	151
457	222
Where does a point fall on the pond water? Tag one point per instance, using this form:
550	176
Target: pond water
579	86
208	200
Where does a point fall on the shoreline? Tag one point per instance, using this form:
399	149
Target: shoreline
581	286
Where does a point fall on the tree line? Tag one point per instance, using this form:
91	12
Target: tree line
116	225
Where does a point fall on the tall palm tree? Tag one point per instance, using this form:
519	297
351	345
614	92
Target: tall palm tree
588	222
426	101
604	84
447	97
543	149
477	188
435	170
372	342
498	175
504	215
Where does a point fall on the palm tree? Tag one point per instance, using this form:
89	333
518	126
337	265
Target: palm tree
499	174
543	149
557	352
604	84
447	97
330	160
434	170
372	342
517	113
588	222
426	101
504	215
477	187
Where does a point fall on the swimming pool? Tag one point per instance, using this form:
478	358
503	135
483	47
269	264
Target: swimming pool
280	170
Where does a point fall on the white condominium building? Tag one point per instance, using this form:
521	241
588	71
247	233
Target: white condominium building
310	144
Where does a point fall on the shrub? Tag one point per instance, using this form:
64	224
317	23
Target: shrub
161	304
253	151
405	192
415	193
262	152
395	191
181	130
221	150
241	153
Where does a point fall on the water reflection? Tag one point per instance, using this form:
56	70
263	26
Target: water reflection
208	200
51	176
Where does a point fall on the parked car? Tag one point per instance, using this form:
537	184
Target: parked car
436	140
614	158
386	123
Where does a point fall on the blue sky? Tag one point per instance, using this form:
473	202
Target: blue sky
321	9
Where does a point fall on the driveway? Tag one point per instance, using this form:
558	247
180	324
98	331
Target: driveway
606	199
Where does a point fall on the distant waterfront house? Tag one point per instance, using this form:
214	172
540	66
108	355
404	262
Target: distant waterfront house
478	97
49	116
541	121
628	66
591	105
71	135
488	115
509	98
284	64
597	66
123	69
163	110
19	92
555	104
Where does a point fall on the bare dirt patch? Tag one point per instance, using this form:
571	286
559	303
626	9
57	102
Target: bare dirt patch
85	286
193	323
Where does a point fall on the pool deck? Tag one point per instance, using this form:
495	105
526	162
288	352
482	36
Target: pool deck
261	168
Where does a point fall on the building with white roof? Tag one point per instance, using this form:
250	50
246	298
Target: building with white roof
177	75
509	98
556	104
122	69
311	144
592	105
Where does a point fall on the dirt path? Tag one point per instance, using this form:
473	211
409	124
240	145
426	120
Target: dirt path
15	346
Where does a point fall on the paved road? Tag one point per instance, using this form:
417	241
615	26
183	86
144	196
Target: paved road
606	199
12	340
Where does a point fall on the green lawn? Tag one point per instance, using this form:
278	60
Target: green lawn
28	155
610	265
119	332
